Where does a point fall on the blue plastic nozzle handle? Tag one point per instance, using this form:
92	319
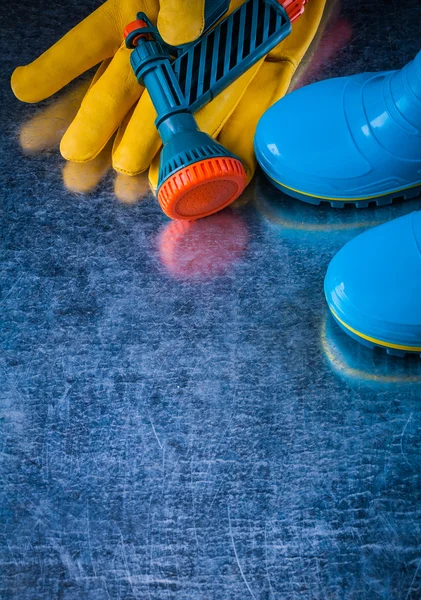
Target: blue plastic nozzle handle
214	10
180	81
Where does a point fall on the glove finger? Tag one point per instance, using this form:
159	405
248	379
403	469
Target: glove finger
93	40
130	190
84	177
303	31
153	173
181	21
45	130
212	117
100	72
137	140
102	110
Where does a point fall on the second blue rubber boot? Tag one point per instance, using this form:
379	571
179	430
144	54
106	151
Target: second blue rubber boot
373	286
351	140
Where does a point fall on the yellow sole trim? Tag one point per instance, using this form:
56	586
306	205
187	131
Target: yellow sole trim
359	199
374	340
340	364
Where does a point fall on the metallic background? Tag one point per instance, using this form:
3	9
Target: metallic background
179	415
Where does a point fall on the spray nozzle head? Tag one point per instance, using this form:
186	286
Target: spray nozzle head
198	176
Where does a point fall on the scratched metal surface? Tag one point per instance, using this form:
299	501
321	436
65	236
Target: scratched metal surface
179	416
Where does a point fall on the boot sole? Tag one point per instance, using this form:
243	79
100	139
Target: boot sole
370	342
381	200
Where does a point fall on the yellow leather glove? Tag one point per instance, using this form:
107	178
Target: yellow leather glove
112	102
98	38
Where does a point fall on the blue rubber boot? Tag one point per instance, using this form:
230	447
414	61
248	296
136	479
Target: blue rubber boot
348	140
373	286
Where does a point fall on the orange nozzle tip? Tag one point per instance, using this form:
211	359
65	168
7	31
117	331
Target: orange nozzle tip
202	188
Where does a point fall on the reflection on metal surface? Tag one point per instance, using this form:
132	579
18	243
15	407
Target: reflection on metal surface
335	33
354	362
297	219
84	177
45	130
338	35
202	249
129	189
135	404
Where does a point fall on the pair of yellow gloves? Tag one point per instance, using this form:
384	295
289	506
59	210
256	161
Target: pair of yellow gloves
115	103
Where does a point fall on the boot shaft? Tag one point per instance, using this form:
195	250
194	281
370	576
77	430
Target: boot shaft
406	92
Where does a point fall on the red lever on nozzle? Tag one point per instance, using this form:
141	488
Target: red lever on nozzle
293	8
